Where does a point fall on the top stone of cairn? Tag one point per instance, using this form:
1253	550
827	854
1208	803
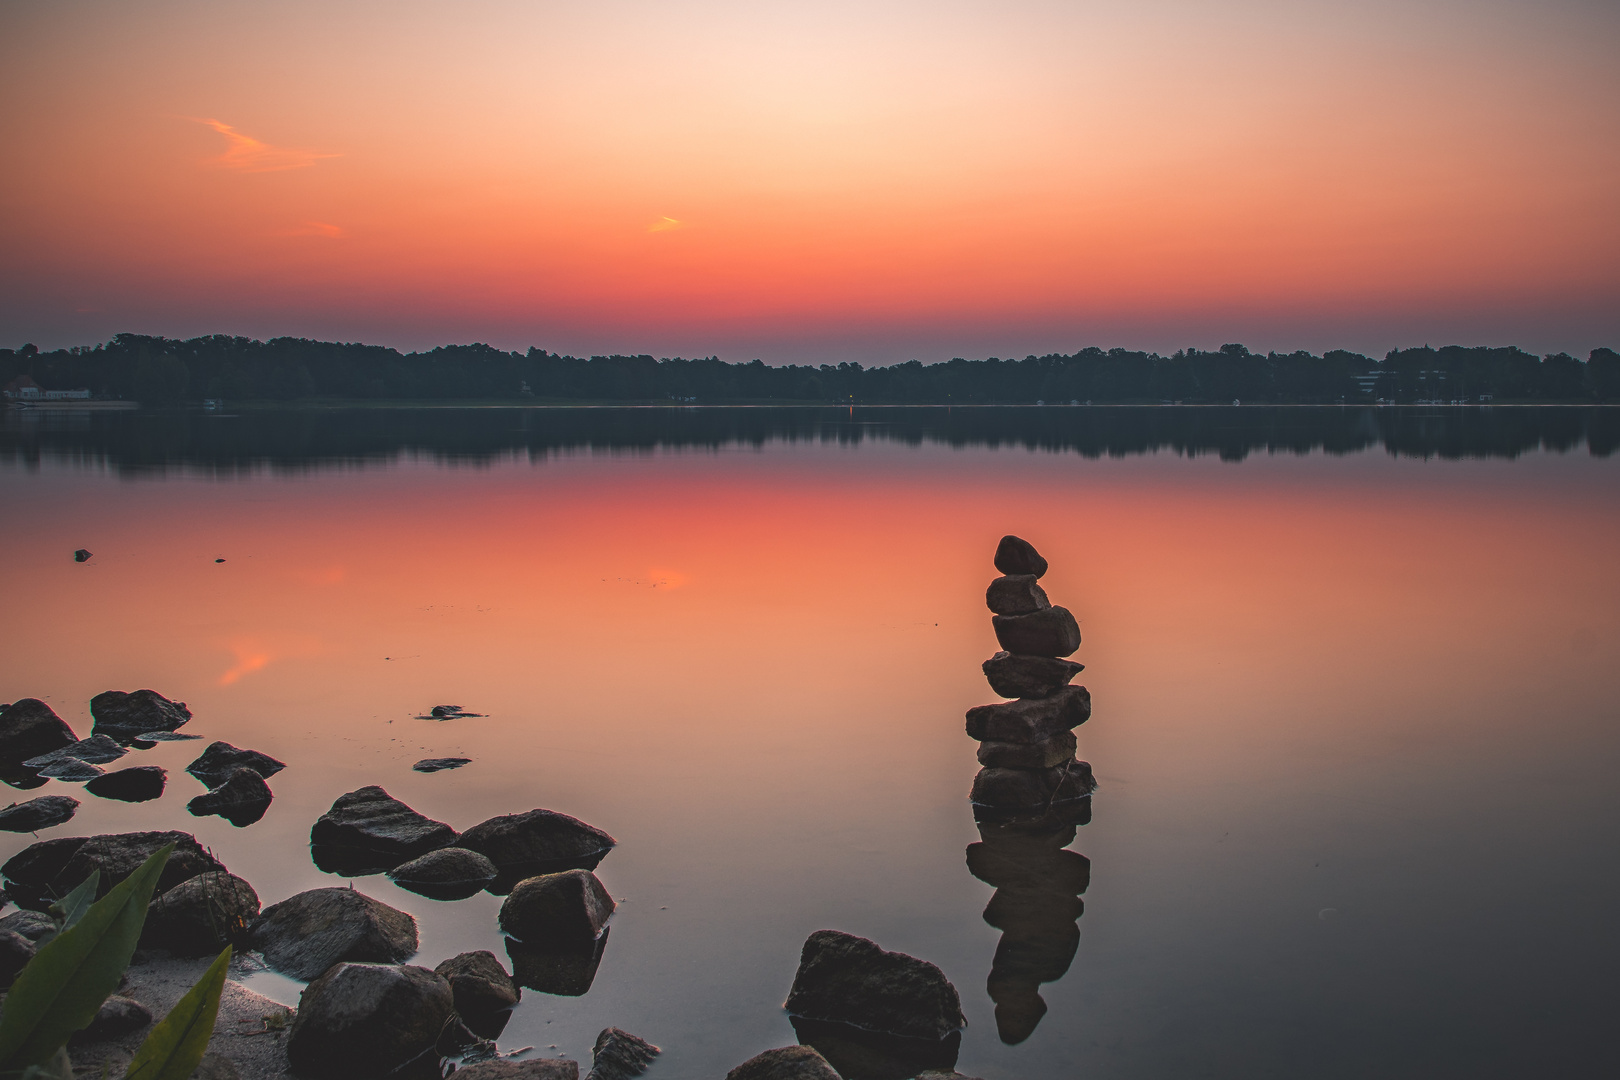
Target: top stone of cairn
1018	556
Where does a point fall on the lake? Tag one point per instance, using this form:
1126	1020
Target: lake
1355	676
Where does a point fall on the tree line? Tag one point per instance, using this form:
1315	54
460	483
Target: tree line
163	371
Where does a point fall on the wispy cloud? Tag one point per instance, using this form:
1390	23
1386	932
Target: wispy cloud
666	224
244	153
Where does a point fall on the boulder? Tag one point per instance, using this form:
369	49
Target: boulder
126	716
1029	676
1033	788
40	813
1016	594
215	764
1030	720
450	873
439	764
1055	750
202	915
850	980
29	728
117	1017
32	925
139	783
1052	632
538	842
96	749
786	1063
530	1069
369	828
306	934
240	800
47	871
71	771
1018	556
361	1021
483	990
15	952
566	908
563	970
619	1055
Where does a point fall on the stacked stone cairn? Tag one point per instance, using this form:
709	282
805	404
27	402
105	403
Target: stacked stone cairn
1027	745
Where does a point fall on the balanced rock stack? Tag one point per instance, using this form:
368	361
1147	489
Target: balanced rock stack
1027	745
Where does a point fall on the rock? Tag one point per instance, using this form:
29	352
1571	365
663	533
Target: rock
29	728
1030	720
117	1016
40	813
96	749
1033	788
619	1055
530	1069
450	873
71	771
786	1063
538	842
305	934
215	764
200	916
139	783
32	925
484	992
1045	754
1018	556
567	908
125	716
240	800
171	736
15	952
1052	632
438	764
82	554
847	979
1029	676
47	871
369	828
566	971
1016	594
368	1020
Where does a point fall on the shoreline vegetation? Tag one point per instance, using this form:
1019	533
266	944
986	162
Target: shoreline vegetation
165	371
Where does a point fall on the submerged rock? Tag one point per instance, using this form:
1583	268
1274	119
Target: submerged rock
40	813
126	716
44	872
220	760
368	831
96	749
484	992
1045	754
1029	676
362	1020
450	873
1015	555
527	1069
619	1055
538	842
568	909
439	764
1052	632
30	727
139	783
785	1063
848	979
71	771
240	800
200	916
305	934
566	971
1030	720
1016	594
1033	788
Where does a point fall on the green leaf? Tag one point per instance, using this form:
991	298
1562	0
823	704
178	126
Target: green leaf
61	988
71	908
173	1048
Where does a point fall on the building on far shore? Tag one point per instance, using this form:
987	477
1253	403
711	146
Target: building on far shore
25	389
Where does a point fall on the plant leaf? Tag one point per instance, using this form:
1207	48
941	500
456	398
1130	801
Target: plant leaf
173	1048
71	908
60	989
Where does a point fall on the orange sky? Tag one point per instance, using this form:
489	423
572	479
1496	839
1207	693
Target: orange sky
814	181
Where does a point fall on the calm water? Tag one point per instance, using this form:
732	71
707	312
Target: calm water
1355	676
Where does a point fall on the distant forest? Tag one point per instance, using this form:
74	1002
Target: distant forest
164	371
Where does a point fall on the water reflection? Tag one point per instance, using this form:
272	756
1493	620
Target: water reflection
562	969
862	1054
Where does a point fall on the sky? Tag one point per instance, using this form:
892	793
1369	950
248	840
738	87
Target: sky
814	182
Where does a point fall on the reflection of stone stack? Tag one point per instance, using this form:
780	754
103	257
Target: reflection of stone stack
1027	746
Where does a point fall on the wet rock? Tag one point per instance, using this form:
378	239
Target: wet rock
125	716
40	813
15	952
1045	754
1052	632
1029	676
368	828
530	1069
450	873
1032	788
484	992
567	908
82	554
118	1016
1030	720
847	979
858	1053
619	1055
200	916
140	783
96	749
215	764
240	800
1016	594
362	1020
32	925
449	712
566	971
169	736
538	842
29	728
71	771
47	871
1015	555
786	1063
305	934
439	764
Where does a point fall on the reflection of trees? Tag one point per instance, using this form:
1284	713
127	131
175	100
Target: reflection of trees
1037	908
